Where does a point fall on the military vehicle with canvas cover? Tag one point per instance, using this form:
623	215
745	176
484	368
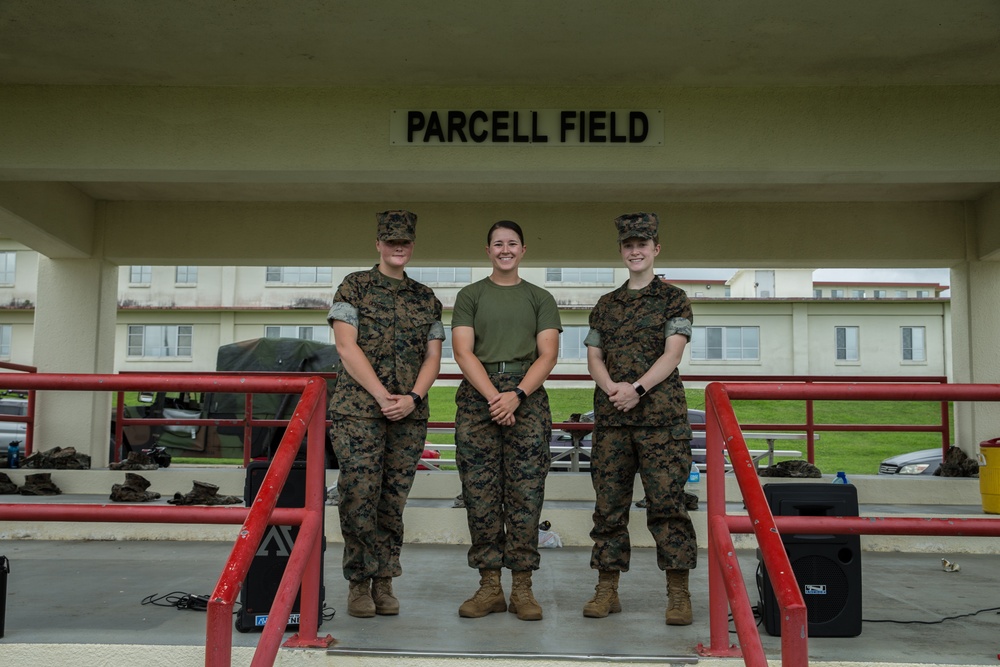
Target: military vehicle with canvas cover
275	355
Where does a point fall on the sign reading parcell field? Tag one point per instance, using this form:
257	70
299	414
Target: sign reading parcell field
537	127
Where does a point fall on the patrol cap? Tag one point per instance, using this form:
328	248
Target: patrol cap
397	226
637	226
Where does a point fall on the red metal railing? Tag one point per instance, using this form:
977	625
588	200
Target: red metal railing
303	568
29	419
725	580
577	429
247	421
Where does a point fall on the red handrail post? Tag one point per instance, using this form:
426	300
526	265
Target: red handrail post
116	456
247	431
307	636
810	430
718	605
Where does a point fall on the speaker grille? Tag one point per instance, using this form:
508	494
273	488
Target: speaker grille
824	587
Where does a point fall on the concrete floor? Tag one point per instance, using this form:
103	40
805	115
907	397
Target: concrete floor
88	592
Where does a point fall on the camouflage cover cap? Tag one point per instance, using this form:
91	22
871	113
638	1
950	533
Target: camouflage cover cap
637	226
397	225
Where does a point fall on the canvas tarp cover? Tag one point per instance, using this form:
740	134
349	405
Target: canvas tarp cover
288	355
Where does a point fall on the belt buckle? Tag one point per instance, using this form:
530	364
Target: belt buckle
502	367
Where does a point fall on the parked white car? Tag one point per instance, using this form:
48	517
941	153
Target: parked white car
11	431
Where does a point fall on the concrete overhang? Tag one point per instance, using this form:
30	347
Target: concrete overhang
495	51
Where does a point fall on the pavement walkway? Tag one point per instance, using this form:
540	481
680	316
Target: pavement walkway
90	592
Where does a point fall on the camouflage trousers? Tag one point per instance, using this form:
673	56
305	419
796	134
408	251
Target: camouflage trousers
378	459
663	464
503	471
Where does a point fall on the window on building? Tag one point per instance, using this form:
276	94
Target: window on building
902	294
160	340
725	343
588	276
440	274
728	291
879	293
6	331
446	350
140	275
299	275
857	294
817	293
186	275
923	294
320	334
837	293
847	343
914	344
8	267
571	342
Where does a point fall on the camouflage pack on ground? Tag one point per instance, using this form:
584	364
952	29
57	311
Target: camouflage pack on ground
796	468
958	464
133	490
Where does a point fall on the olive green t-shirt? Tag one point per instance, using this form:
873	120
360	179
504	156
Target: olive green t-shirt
506	319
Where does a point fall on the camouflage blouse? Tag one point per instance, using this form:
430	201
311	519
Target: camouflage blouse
395	320
632	327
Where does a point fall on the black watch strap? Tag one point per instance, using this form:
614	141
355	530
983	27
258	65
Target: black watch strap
520	394
417	398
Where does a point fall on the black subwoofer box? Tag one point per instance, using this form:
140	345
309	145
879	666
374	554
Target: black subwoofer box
268	565
827	568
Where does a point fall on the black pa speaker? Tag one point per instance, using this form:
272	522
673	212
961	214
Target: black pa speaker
827	568
268	564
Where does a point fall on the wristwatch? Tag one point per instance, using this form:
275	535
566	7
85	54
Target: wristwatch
639	389
417	399
520	394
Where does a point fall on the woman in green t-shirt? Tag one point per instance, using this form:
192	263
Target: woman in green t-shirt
505	336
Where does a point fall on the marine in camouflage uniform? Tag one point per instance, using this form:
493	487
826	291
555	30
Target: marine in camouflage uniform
505	333
650	434
395	323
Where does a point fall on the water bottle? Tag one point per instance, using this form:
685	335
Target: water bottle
695	475
13	454
841	478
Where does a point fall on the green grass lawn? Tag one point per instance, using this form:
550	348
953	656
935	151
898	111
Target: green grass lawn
852	452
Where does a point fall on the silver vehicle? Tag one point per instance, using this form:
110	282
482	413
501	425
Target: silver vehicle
11	431
922	462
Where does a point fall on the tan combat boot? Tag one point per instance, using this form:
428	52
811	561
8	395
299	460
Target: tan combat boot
605	600
522	602
359	599
678	598
489	599
386	603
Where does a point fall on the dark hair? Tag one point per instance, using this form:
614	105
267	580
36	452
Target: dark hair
505	224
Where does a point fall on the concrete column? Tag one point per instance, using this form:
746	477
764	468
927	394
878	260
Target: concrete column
75	333
975	303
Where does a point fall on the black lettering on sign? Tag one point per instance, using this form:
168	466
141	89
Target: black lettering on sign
414	123
638	127
597	126
434	128
480	117
500	125
456	126
536	137
613	126
567	122
518	137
